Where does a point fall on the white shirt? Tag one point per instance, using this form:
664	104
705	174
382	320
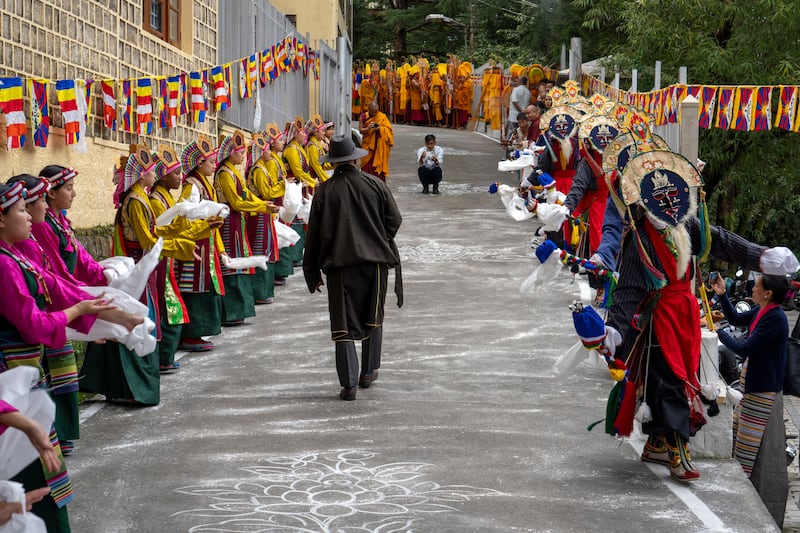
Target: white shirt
522	96
428	162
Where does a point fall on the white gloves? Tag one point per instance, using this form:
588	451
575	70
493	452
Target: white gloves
613	339
597	260
778	261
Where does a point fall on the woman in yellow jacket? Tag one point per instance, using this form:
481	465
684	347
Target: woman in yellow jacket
297	161
111	369
200	280
261	226
316	148
238	302
174	313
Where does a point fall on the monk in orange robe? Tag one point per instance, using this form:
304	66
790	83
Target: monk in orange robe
462	101
378	139
367	93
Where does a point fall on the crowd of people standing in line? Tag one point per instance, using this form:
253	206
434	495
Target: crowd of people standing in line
197	289
629	205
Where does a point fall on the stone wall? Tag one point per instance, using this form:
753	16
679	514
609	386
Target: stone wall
99	39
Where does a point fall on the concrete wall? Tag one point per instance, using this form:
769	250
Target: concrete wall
98	39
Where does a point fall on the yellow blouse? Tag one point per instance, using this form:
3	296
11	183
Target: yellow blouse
276	175
315	149
227	179
194	230
292	154
186	192
138	216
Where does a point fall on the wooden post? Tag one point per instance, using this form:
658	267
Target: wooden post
635	80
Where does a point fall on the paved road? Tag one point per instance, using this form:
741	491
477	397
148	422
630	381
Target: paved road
466	429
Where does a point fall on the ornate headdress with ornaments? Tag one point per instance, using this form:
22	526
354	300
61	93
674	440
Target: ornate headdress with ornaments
231	144
196	152
62	177
11	196
166	161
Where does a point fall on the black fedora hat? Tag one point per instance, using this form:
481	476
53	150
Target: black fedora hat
342	149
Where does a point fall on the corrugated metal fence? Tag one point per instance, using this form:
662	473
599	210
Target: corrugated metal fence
253	27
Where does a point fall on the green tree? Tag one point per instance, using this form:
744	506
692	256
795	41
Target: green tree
752	178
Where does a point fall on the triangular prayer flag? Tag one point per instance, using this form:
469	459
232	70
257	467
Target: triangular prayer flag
11	104
743	108
787	107
40	115
109	104
724	108
65	89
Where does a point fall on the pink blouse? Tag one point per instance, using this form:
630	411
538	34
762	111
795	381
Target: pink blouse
5	407
34	325
87	271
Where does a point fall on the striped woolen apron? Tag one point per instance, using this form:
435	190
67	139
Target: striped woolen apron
749	423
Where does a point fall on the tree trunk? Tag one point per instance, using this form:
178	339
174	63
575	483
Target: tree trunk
399	41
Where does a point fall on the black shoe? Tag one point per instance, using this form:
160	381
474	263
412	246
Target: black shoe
365	381
435	189
348	394
425	190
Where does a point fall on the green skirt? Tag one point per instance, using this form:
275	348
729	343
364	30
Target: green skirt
113	370
56	519
264	283
297	249
67	416
285	265
168	345
238	303
205	314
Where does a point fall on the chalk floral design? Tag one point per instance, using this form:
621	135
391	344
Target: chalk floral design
319	493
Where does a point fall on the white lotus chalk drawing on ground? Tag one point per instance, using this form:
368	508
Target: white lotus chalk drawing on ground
319	493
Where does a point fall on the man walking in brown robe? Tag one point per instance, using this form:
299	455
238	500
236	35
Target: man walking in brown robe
350	237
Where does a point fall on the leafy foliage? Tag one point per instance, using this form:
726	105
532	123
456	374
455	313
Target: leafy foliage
506	31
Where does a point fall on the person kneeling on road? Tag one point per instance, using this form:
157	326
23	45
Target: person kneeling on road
430	159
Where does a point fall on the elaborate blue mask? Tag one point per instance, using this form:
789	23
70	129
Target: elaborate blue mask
666	196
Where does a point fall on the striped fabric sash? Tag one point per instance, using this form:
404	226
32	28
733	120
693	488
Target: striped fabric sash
16	352
749	424
176	308
58	480
63	369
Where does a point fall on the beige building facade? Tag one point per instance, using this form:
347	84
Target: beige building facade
99	40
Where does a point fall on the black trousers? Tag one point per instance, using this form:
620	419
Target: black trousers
347	360
429	176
